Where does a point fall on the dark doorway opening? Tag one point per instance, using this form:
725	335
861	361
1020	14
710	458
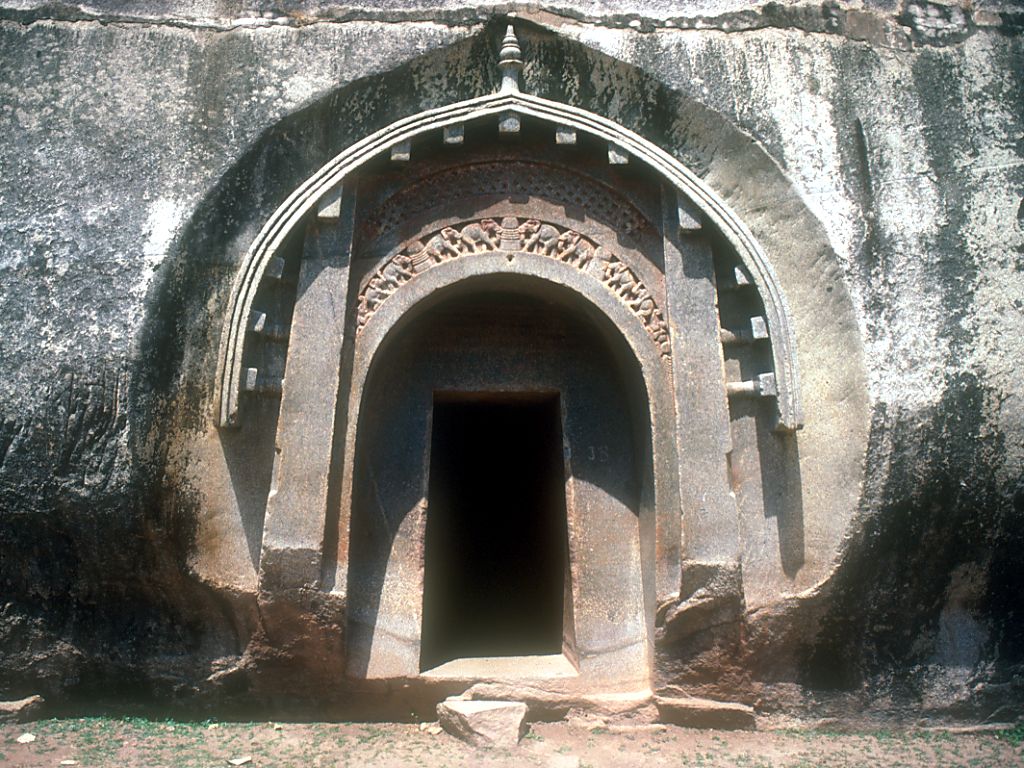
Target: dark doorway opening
496	544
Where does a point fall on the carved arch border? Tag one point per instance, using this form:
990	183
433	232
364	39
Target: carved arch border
512	237
659	499
292	211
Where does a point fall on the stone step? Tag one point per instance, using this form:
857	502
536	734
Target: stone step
692	712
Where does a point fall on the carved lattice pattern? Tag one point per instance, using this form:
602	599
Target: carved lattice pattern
506	179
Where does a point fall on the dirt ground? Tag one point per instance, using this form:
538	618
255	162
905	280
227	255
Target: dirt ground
109	742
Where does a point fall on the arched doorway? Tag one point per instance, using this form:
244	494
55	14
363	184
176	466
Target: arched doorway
519	290
500	462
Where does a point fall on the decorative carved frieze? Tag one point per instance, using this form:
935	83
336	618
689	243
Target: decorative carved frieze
512	236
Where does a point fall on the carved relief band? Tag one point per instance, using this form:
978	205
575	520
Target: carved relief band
512	236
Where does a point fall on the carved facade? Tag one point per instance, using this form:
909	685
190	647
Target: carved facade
406	288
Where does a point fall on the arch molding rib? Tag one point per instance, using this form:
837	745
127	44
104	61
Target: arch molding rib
292	212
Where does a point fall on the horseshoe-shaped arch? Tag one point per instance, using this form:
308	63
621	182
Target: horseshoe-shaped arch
333	174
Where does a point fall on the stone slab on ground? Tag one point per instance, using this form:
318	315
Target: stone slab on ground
691	712
547	705
483	723
21	710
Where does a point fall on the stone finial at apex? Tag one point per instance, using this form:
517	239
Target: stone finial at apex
510	61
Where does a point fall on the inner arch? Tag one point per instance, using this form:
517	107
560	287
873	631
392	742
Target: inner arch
507	339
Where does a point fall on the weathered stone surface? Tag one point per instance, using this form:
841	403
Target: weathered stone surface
546	704
711	596
21	710
705	713
874	149
484	723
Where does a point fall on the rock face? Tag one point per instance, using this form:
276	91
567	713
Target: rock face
484	723
867	563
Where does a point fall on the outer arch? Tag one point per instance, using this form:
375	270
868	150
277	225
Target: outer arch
291	213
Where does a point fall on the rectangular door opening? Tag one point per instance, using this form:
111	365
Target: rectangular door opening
496	549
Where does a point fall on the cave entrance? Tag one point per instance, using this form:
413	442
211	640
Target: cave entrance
496	550
499	479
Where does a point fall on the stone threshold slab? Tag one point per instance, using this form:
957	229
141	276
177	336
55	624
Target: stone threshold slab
555	665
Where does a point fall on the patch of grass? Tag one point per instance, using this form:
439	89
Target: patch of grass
1014	736
809	734
827	733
